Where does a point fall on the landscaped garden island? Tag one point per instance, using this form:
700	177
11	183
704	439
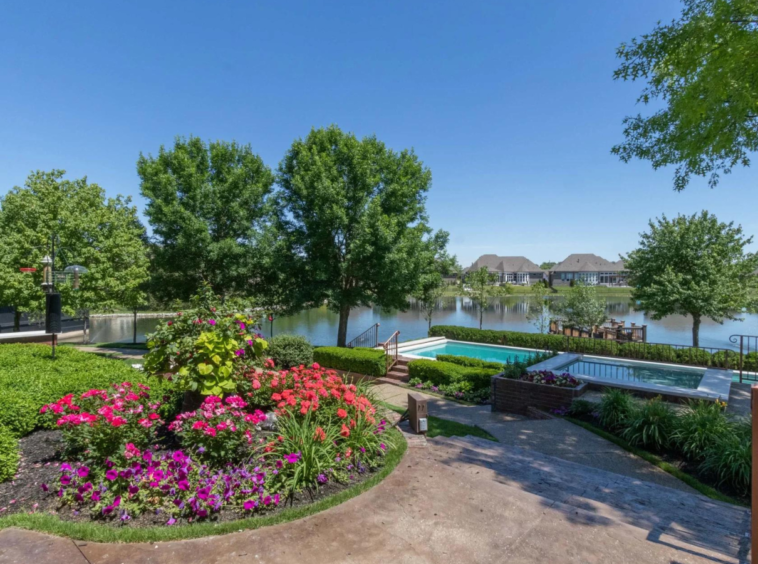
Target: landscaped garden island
214	429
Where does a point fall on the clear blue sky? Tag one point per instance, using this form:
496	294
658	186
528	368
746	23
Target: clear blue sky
511	104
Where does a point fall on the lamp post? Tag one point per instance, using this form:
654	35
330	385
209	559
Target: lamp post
52	298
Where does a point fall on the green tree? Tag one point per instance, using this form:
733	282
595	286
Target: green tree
582	308
539	310
693	265
436	264
207	207
352	223
103	235
547	265
481	286
703	69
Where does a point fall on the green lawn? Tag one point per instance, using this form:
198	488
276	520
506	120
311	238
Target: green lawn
438	427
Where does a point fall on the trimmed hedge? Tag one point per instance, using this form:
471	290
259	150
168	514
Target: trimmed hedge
19	413
290	350
442	373
370	362
637	351
469	361
9	456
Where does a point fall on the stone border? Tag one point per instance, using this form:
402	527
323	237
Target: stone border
518	396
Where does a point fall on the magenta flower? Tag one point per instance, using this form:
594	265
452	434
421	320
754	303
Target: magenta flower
239	352
211	322
293	457
111	475
171	521
250	504
83	472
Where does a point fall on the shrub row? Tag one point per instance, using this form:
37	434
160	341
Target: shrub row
290	350
370	362
638	351
469	361
440	373
9	456
701	434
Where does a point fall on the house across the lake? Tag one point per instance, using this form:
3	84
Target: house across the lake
511	270
588	269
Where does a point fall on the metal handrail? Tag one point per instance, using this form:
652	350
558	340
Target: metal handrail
369	338
748	346
391	350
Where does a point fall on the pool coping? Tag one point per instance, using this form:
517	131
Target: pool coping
715	384
410	345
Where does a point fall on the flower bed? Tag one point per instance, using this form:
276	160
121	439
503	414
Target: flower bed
545	391
258	440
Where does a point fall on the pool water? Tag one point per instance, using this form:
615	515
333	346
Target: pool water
637	372
491	353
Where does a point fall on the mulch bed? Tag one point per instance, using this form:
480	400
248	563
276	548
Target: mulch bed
40	464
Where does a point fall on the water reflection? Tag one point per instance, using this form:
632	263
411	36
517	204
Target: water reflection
320	324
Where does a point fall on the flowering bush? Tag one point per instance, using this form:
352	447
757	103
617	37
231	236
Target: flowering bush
202	349
172	483
218	430
549	378
98	423
455	391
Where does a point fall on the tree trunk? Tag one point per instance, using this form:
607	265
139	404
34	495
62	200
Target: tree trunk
695	330
481	315
16	321
430	326
342	331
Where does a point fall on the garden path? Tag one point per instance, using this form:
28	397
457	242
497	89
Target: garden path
554	437
459	500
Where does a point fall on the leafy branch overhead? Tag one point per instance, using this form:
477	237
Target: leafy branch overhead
703	71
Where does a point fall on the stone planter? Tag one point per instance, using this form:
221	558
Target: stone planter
515	396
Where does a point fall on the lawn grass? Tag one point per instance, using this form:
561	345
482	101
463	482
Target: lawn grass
94	532
688	479
438	427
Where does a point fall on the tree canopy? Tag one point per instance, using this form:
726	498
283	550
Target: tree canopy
103	235
351	217
206	204
693	265
702	68
547	265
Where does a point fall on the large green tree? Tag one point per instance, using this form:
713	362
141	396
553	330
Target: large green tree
582	308
351	219
693	265
702	71
207	208
102	234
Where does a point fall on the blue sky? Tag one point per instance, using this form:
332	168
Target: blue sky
511	104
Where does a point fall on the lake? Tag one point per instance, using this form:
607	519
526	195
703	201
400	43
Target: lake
320	324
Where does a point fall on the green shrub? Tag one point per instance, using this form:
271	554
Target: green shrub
19	412
290	350
9	455
650	426
729	459
640	351
699	428
615	408
469	361
582	408
370	362
441	373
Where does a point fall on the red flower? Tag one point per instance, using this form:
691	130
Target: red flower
320	435
341	413
345	432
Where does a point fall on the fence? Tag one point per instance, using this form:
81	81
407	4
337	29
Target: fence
369	338
391	350
748	356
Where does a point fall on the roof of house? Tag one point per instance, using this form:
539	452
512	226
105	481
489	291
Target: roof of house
496	263
586	262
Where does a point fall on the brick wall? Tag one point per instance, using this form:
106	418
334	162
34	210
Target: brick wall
516	396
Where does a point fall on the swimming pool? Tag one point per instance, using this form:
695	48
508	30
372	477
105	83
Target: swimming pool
491	353
642	372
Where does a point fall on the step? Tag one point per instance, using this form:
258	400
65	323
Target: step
397	375
686	518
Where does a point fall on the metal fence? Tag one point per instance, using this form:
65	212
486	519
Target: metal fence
369	338
748	356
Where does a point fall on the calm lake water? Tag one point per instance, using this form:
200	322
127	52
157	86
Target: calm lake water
320	324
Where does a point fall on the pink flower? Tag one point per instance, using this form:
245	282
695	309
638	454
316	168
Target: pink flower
210	431
211	322
197	425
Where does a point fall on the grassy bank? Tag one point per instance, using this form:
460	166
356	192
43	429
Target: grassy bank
453	291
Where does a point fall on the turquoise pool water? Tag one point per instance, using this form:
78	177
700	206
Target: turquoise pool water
482	352
637	372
